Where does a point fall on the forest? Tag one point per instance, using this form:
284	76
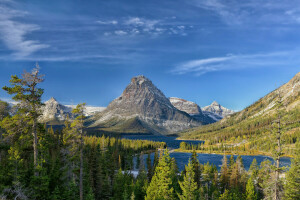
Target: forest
37	162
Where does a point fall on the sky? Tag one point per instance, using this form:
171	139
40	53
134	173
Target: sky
230	51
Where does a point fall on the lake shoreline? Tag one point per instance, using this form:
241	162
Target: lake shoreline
229	153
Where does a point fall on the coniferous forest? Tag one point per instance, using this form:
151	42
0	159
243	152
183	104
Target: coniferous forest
38	162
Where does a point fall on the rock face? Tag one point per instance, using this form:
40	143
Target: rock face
193	110
217	111
186	106
52	110
145	103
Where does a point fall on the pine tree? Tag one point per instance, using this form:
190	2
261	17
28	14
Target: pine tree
250	190
161	183
29	96
224	179
78	126
292	186
254	169
188	185
196	168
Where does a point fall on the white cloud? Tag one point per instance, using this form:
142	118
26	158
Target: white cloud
138	26
13	33
120	32
114	22
136	21
234	62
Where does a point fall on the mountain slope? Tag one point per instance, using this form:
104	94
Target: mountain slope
251	126
144	102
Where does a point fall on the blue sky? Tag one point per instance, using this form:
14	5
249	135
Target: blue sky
233	51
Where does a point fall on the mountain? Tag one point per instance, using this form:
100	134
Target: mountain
193	110
216	111
53	111
142	108
252	126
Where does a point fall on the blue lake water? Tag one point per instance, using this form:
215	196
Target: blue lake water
216	159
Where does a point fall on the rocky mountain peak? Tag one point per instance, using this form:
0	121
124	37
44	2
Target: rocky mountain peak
140	79
214	103
51	100
141	99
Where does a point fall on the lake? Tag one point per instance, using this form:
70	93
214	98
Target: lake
216	159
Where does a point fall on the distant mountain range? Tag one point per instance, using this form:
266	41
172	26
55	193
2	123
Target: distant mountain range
208	114
142	108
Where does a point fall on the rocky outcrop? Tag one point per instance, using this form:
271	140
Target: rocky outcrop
143	101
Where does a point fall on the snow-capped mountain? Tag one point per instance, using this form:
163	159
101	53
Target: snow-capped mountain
193	110
217	111
53	110
143	105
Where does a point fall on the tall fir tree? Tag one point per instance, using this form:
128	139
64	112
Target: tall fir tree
188	185
78	127
29	98
196	168
292	186
161	184
250	190
224	179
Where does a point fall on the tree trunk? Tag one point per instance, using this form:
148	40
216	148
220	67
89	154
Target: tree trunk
81	167
35	150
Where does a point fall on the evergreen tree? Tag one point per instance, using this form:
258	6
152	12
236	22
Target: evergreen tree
196	168
29	96
250	190
161	184
224	179
292	186
78	126
188	185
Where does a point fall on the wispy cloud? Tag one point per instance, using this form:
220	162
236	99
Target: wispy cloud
114	22
137	26
235	62
120	32
13	33
237	12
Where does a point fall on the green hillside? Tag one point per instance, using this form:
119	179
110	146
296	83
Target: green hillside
251	128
